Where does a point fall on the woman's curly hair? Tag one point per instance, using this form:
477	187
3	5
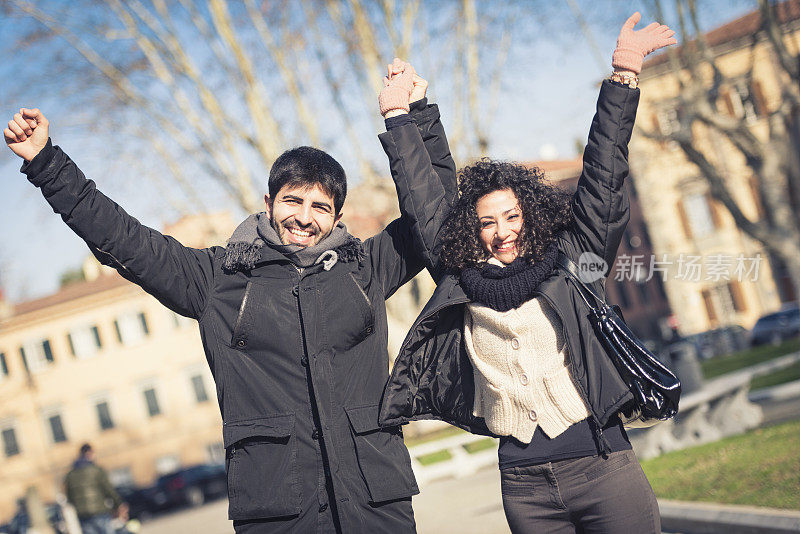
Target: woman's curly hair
546	211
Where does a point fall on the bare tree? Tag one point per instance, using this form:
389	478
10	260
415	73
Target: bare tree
772	153
219	89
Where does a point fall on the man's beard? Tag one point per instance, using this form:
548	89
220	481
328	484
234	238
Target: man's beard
282	231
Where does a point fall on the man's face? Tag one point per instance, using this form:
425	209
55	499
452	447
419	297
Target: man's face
302	215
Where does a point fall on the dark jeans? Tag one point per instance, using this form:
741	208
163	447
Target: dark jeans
97	524
581	495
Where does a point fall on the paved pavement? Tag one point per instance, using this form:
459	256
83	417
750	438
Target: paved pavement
470	505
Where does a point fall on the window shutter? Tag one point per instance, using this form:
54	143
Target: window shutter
71	344
687	230
714	209
737	296
727	100
758	98
712	315
116	328
755	190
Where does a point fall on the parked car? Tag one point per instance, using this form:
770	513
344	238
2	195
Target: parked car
774	328
191	486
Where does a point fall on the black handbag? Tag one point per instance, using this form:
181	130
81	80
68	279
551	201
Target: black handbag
656	390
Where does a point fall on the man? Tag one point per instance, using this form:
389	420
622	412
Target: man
89	491
292	316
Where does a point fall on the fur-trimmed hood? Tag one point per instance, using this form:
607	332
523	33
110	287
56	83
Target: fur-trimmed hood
251	243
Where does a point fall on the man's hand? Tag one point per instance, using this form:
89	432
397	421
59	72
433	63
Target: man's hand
27	133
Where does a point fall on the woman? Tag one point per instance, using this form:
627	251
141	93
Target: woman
504	346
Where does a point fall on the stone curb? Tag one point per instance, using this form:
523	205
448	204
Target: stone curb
786	391
701	518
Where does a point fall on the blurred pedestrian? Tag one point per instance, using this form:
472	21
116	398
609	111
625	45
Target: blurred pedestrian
88	489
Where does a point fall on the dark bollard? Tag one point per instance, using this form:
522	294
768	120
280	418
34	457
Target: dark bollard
684	362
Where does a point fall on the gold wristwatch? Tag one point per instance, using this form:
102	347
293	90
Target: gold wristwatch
631	81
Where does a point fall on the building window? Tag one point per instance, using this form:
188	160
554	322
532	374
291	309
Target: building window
56	428
3	366
745	102
199	388
696	215
131	328
723	302
668	121
10	443
104	415
84	341
151	400
36	355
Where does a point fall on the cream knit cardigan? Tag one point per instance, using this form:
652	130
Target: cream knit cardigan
521	375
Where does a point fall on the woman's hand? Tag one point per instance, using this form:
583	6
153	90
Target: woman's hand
398	85
633	46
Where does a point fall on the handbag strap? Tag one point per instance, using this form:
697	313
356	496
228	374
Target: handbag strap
583	289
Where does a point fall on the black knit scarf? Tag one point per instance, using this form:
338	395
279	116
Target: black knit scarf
506	288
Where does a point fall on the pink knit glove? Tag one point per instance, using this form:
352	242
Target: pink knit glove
397	87
633	46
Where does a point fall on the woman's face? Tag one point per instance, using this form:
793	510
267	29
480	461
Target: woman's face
500	219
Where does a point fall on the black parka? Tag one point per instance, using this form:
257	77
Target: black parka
433	378
299	358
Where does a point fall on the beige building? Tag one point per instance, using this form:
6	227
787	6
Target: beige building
102	361
714	274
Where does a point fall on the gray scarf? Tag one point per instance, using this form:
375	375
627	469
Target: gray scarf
244	246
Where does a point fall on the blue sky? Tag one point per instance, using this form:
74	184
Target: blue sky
546	101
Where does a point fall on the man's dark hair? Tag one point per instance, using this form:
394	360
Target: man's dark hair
308	166
85	449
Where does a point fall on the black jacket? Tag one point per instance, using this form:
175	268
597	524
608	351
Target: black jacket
432	376
299	359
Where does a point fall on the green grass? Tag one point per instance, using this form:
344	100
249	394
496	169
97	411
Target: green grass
477	446
432	436
733	362
782	376
432	458
760	468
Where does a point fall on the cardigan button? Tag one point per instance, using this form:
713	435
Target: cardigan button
523	379
533	415
515	343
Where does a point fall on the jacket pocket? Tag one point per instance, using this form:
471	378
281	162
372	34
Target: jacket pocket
262	467
382	456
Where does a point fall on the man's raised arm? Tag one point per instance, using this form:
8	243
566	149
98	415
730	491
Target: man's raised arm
177	276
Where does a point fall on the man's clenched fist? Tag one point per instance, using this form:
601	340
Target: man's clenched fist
27	133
